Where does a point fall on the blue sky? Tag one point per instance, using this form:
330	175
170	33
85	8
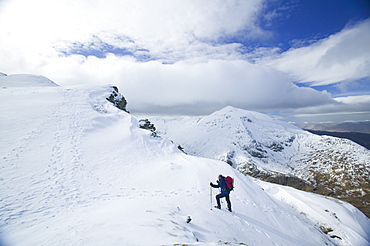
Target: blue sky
295	59
314	19
308	21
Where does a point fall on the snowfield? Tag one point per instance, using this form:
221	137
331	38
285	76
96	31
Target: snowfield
75	170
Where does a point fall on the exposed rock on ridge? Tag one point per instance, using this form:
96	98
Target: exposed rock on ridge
117	99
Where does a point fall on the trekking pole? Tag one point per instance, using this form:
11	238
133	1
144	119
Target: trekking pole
210	194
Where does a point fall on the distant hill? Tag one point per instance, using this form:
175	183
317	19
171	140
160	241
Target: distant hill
361	127
357	137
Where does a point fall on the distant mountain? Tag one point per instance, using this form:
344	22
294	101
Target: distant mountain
352	127
361	127
357	137
275	151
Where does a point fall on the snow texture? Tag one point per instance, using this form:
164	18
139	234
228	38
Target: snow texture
75	170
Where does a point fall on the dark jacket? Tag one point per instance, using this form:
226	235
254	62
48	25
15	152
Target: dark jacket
221	183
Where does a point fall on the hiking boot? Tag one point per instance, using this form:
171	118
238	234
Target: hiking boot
219	207
229	209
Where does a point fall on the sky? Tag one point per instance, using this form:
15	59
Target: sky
300	61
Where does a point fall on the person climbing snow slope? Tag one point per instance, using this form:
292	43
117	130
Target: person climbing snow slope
225	192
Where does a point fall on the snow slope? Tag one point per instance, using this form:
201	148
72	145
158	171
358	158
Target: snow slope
75	170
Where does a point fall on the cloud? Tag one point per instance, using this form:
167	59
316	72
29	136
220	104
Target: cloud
217	83
344	56
170	30
154	86
355	108
354	103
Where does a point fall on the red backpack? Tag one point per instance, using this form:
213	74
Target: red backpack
229	183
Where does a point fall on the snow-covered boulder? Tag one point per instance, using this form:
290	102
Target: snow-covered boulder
117	99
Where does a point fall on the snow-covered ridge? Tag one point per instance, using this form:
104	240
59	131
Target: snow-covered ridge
75	170
273	150
24	80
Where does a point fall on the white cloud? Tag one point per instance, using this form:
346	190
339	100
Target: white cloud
162	27
342	57
362	101
212	83
343	108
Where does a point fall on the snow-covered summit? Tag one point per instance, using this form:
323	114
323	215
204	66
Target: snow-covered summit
256	134
235	116
76	170
236	136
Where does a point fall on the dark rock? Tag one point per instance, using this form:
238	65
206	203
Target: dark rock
117	99
147	125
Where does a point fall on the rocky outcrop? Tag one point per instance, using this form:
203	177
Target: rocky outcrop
333	171
147	125
117	99
278	178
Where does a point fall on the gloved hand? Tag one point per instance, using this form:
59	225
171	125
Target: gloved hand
211	184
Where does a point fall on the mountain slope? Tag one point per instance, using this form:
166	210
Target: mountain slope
276	151
75	170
